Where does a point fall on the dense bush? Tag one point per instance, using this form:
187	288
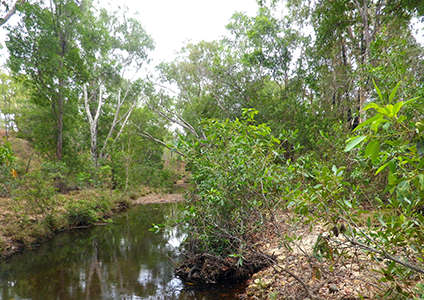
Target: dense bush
236	183
392	140
374	197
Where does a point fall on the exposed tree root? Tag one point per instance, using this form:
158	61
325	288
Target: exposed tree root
205	268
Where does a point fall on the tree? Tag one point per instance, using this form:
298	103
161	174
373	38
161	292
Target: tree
12	93
110	49
8	9
44	47
127	98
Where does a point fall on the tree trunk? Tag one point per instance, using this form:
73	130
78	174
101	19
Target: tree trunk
364	59
93	122
61	97
59	141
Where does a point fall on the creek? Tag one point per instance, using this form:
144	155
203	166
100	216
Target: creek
122	260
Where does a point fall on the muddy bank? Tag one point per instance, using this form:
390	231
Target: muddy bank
158	198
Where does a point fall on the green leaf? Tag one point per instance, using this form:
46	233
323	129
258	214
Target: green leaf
372	150
366	122
392	178
382	168
373	105
354	142
394	91
411	100
389	110
421	181
378	90
377	123
397	107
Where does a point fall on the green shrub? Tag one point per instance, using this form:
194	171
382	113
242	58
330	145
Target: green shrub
236	180
392	140
82	213
8	174
36	194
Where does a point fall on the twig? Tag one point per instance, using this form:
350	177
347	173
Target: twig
381	252
303	284
386	255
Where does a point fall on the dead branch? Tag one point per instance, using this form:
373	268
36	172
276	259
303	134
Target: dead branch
385	255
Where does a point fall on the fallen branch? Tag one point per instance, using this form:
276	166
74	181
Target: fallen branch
381	252
385	255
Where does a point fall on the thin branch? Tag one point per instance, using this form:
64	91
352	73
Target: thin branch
10	13
127	116
158	141
386	255
175	121
114	122
381	252
99	105
87	107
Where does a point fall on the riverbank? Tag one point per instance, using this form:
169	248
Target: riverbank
311	262
26	228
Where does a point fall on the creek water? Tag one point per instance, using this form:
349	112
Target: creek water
122	260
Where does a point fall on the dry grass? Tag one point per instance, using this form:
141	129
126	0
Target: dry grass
27	157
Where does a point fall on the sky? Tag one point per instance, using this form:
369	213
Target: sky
172	23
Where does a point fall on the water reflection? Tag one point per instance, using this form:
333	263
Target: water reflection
123	260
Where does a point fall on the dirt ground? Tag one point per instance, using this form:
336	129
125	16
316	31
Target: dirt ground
159	198
180	185
311	270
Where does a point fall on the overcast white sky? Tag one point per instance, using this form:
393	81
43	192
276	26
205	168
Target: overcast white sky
172	23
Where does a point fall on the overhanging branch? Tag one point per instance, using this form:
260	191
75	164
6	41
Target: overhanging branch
158	141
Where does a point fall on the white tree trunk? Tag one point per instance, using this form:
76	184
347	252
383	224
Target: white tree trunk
93	122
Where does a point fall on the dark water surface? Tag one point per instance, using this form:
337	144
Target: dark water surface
123	260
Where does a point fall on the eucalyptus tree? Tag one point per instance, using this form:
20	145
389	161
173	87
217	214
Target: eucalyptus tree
111	48
197	85
217	79
44	47
263	43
